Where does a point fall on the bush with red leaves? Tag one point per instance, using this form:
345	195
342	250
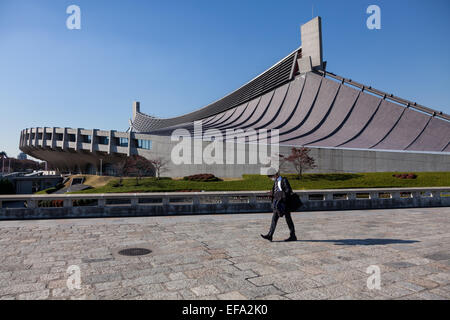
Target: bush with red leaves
405	176
203	177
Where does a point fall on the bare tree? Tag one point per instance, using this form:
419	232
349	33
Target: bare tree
160	165
301	160
121	169
144	167
134	166
139	167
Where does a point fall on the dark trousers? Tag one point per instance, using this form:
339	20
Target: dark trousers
289	222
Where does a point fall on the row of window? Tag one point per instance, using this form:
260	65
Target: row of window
121	142
144	144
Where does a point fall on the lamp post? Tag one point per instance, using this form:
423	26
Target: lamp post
101	167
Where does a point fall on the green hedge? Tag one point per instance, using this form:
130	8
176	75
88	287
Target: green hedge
6	187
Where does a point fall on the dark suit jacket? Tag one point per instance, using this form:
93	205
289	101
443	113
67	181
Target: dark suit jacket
281	208
285	186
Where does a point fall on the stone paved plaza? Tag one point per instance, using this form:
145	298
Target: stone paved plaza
224	257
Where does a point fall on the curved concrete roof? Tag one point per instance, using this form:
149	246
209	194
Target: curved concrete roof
278	74
317	109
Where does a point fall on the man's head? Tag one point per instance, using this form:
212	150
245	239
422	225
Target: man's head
273	174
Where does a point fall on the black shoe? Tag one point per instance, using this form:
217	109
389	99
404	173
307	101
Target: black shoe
267	237
291	238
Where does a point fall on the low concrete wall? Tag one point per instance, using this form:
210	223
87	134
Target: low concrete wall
161	204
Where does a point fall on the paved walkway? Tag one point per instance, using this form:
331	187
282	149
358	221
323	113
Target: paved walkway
223	257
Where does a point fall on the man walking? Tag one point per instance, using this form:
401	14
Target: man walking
281	190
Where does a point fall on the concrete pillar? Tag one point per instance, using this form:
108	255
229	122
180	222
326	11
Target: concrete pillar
101	203
44	138
30	131
110	136
92	140
130	136
64	140
305	64
68	203
304	197
136	108
46	142
225	200
31	204
53	144
195	200
311	33
36	137
77	138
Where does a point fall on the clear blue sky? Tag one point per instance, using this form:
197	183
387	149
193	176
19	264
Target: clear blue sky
177	56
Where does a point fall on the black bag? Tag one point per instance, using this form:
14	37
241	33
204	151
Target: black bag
294	202
279	207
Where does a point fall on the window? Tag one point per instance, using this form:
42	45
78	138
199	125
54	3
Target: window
86	138
144	144
123	142
71	137
103	140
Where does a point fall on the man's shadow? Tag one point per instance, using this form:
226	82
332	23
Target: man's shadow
360	242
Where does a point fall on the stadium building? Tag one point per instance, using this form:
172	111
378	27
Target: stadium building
349	127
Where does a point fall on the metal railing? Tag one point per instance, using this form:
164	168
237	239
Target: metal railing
387	96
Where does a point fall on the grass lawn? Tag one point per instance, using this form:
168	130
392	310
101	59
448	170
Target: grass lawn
258	183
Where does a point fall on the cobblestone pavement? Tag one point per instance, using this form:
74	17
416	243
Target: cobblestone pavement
224	257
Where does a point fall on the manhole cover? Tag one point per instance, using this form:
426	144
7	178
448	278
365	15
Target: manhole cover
134	252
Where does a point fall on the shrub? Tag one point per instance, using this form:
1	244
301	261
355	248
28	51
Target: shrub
53	189
6	187
405	176
204	177
84	202
57	203
50	190
51	203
